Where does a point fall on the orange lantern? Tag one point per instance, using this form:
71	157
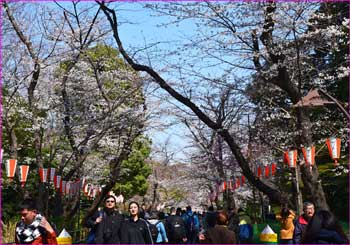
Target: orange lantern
309	155
23	174
11	165
291	158
43	174
333	145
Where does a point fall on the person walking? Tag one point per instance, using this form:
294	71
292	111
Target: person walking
323	228
136	230
109	223
175	227
159	234
286	218
209	218
302	221
219	234
33	227
191	225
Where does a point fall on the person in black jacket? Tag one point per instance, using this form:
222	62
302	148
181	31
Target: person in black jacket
108	223
136	230
175	228
323	228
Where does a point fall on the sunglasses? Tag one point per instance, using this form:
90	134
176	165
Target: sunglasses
109	201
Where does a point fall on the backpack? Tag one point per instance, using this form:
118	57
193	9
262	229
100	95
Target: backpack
190	224
175	227
154	230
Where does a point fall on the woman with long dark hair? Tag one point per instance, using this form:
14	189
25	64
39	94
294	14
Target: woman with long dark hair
136	229
324	228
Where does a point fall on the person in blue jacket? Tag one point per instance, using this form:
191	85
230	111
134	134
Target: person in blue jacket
161	232
191	225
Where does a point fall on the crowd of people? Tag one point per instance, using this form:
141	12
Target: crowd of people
142	226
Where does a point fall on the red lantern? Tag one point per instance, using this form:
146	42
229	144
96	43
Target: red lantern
43	174
309	155
52	173
243	180
258	170
238	182
291	158
11	165
273	168
57	181
267	171
223	186
229	185
23	174
333	145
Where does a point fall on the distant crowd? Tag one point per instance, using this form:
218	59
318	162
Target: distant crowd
142	226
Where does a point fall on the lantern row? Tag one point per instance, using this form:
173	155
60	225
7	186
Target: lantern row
47	175
290	158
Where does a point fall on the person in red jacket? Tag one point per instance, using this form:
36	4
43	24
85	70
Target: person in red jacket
33	227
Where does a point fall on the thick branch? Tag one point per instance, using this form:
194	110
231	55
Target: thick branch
273	194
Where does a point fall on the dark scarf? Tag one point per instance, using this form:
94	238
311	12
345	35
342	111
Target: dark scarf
28	233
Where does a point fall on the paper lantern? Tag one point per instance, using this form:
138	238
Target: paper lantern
333	145
63	187
273	168
11	165
57	182
309	155
23	174
238	182
43	175
258	171
52	174
223	186
82	183
267	171
291	158
68	187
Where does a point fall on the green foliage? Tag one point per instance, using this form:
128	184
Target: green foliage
135	171
335	184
